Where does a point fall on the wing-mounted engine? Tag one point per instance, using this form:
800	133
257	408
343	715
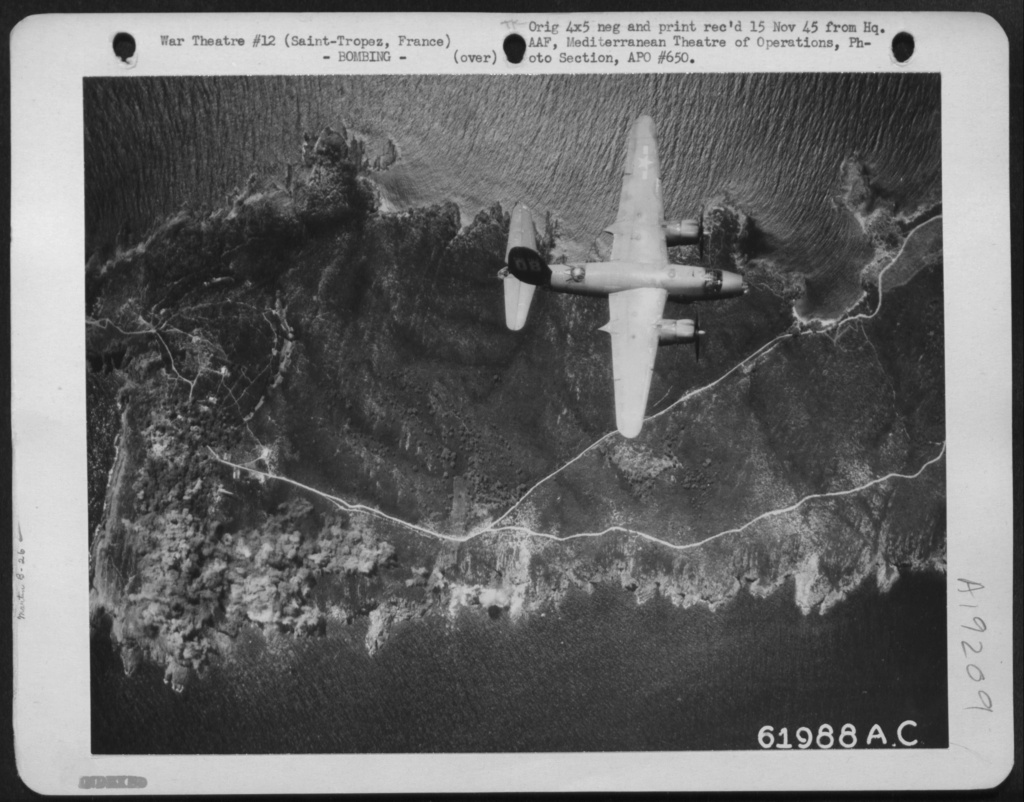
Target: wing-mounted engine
682	232
673	332
678	332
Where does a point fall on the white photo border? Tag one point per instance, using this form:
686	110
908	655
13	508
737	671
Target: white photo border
51	643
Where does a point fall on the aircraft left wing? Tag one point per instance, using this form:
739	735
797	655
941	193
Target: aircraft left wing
634	330
639	236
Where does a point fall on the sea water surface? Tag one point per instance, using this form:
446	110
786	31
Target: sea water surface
770	145
601	673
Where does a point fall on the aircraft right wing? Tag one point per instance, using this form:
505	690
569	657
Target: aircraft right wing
634	330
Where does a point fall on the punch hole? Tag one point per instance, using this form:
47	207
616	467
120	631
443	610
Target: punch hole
902	46
124	47
514	47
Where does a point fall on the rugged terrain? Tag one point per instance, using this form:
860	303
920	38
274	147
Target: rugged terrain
297	332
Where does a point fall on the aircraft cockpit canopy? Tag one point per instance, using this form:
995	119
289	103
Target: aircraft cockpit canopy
713	280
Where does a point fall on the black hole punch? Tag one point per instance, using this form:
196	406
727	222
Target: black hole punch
124	46
514	47
902	46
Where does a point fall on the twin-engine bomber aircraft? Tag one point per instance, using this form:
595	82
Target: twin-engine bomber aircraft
637	280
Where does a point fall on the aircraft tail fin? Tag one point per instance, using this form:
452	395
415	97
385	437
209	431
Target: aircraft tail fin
525	267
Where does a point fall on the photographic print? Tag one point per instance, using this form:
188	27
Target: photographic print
535	413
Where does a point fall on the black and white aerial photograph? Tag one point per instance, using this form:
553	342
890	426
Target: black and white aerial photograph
532	413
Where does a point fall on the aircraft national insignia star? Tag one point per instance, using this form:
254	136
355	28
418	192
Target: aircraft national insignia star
643	162
638	279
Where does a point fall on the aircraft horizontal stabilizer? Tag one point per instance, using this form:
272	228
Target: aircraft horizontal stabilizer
522	237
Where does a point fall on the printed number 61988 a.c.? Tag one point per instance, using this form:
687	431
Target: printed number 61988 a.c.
826	737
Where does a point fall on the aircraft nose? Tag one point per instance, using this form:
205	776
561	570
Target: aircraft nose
733	284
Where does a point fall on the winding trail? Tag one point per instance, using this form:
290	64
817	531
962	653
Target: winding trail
735	531
494	529
846	318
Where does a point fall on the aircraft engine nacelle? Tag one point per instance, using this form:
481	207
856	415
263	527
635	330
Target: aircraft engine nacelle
672	332
682	232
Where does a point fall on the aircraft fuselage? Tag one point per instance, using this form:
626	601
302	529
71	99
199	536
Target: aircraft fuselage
682	282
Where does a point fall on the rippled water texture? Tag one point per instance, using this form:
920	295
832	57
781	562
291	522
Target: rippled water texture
772	145
601	674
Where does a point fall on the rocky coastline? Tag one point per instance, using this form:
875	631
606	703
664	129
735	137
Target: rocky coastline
299	332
